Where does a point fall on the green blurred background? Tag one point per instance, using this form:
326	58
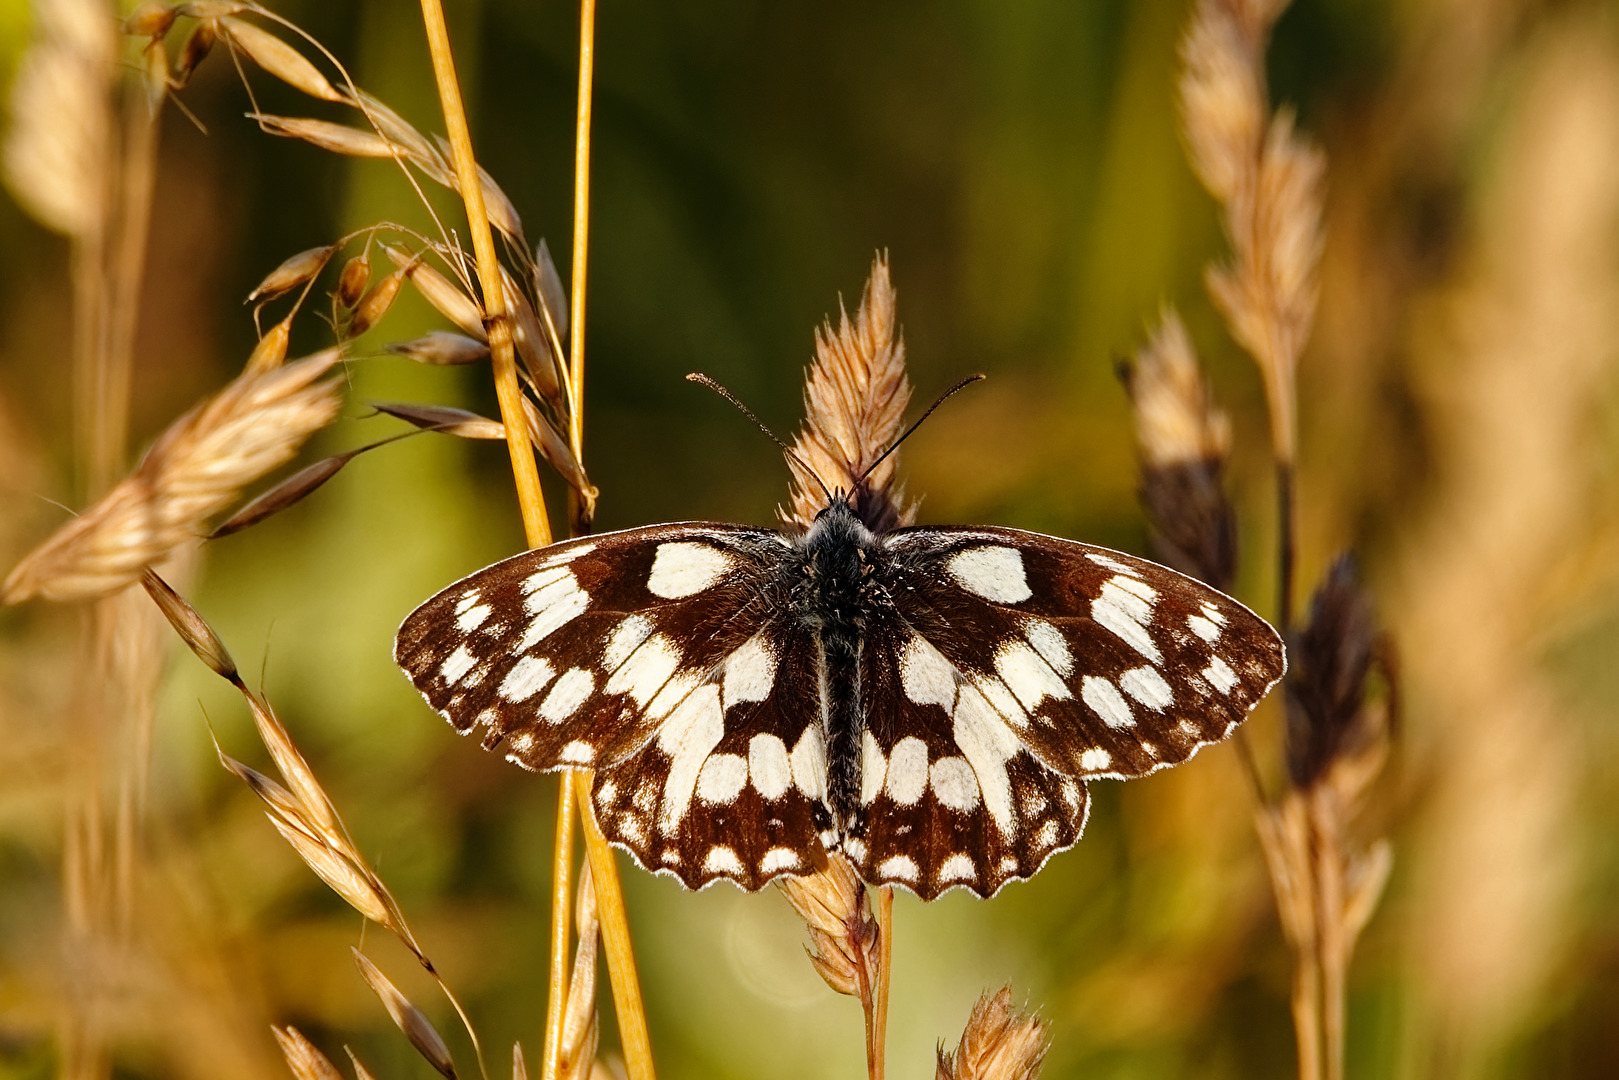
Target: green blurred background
1022	168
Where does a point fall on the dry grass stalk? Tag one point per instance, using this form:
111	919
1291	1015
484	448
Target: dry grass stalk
581	1028
196	467
999	1043
1183	439
855	394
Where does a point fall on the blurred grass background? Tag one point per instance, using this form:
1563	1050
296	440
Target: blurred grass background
1022	168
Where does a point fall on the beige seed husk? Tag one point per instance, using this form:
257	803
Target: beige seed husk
151	18
451	421
155	73
439	291
999	1043
251	427
191	626
548	287
279	59
274	795
336	871
360	1071
556	450
295	271
375	304
519	1063
1176	419
832	902
338	138
533	343
303	1058
411	1020
271	350
441	347
198	44
295	770
282	495
352	280
401	133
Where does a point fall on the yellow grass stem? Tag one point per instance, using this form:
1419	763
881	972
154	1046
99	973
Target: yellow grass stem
525	472
615	931
885	967
581	222
556	1001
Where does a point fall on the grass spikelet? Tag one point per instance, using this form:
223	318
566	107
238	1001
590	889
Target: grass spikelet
1182	439
843	935
255	425
999	1043
581	1027
442	348
855	394
278	58
411	1020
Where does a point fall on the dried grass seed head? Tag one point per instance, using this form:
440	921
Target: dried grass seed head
442	348
58	136
999	1043
193	629
1183	439
855	395
196	468
1327	712
833	902
1222	98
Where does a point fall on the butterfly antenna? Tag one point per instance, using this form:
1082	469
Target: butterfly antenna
699	377
962	385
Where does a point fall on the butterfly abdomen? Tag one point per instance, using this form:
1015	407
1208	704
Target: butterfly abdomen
833	599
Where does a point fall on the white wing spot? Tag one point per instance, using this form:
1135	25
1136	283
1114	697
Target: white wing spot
1050	644
872	768
632	827
577	753
526	678
908	771
555	602
1148	687
1001	699
721	860
606	793
995	573
1028	676
467	600
987	743
1047	834
777	859
1069	790
683	568
1219	673
570	692
689	736
522	742
1187	728
928	678
1111	564
750	672
768	767
673	693
902	867
624	640
722	778
1206	629
808	760
1095	760
1126	614
1213	614
855	848
957	867
457	664
473	617
1007	864
1136	587
563	557
647	669
1106	701
954	784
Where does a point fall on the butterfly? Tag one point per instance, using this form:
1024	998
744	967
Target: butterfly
930	702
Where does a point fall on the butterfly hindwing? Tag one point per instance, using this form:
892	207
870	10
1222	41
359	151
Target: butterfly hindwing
952	798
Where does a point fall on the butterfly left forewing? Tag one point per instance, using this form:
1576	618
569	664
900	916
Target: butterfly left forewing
660	657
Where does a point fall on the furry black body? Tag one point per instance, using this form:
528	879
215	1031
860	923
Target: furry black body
833	596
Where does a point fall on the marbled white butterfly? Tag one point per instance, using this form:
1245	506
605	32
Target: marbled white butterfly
930	702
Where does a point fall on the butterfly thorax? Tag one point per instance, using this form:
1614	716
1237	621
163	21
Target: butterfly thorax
832	597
